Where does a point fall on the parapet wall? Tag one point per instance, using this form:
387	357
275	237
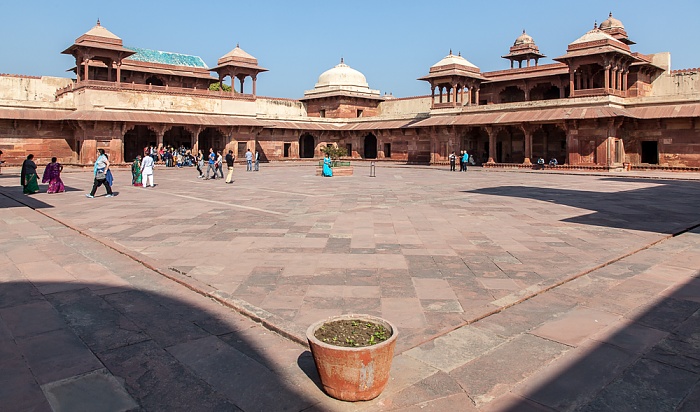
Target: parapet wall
30	91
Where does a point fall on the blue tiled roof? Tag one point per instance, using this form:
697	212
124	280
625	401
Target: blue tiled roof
175	59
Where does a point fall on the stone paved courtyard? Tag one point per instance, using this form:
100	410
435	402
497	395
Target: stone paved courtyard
428	249
478	270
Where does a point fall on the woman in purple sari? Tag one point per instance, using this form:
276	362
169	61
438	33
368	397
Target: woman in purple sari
52	176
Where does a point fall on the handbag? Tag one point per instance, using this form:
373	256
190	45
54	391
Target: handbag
100	176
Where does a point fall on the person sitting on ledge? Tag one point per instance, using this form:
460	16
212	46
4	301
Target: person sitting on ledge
540	164
553	162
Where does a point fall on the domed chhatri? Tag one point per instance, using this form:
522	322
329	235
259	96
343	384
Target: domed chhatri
456	60
342	78
524	39
616	29
611	23
524	49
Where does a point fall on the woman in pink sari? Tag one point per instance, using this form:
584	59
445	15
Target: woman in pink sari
52	176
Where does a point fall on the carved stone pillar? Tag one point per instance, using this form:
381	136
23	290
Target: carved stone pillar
492	143
527	130
476	96
571	82
607	78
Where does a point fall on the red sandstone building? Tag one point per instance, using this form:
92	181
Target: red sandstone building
600	106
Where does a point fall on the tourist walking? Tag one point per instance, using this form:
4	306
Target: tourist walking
100	173
453	159
136	172
229	164
257	160
52	176
199	161
219	164
249	161
465	161
28	176
327	171
210	165
147	165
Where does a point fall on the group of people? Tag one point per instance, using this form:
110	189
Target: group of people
52	175
141	170
464	160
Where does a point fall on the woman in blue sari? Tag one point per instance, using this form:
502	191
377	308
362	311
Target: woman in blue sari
327	171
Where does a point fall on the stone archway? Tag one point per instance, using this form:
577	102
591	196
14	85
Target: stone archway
136	139
476	142
211	138
155	80
370	146
511	94
549	141
307	146
545	91
177	136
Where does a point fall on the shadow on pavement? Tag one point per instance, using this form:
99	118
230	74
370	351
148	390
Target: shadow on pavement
646	209
65	343
652	364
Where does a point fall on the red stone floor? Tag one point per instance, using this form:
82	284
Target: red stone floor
511	290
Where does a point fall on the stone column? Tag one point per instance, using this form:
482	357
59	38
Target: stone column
85	68
619	78
607	78
476	96
119	71
255	81
527	130
624	81
571	82
492	144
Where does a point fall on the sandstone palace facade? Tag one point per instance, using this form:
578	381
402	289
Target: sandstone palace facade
600	106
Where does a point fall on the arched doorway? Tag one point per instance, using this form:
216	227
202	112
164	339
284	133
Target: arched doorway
510	145
549	141
136	139
512	94
211	138
476	142
154	81
545	91
307	146
177	136
370	146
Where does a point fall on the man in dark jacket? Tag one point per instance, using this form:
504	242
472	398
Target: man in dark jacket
229	163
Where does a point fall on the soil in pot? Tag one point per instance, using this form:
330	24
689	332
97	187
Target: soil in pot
352	333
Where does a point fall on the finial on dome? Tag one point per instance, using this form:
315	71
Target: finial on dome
610	15
523	31
459	53
342	61
450	51
595	24
238	45
98	21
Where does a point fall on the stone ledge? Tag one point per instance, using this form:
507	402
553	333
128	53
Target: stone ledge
337	171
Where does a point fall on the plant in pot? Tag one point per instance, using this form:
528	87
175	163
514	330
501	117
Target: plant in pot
353	355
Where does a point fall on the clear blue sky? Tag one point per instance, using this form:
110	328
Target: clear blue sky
391	42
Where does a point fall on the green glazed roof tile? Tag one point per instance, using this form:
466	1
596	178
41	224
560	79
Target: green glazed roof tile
175	59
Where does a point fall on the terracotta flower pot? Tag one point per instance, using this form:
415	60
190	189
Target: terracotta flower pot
353	373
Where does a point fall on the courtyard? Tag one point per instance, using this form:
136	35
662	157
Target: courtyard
500	282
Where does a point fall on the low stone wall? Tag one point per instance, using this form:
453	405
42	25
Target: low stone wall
337	171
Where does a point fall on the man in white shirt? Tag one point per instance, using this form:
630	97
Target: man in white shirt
257	160
147	171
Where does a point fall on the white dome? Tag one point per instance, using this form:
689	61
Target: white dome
452	59
342	75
